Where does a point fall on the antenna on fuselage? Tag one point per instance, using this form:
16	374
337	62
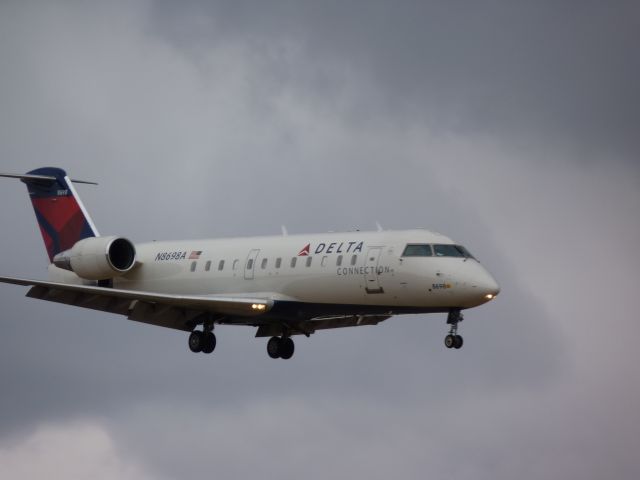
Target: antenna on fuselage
284	231
378	226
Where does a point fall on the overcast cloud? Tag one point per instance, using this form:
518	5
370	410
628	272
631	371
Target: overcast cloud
509	126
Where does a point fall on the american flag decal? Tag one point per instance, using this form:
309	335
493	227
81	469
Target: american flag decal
195	255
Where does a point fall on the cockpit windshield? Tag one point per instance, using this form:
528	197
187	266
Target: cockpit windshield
417	250
451	251
441	250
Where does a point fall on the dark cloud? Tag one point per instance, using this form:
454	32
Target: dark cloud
565	72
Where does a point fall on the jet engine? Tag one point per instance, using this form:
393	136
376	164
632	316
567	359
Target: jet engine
98	258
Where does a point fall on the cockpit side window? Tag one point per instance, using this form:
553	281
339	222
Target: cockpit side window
417	250
465	252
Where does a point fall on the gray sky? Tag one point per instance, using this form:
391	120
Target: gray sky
512	127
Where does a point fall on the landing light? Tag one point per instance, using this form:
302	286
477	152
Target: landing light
258	306
489	296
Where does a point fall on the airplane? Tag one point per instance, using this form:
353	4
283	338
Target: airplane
282	285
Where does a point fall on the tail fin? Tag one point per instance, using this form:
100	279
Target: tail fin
60	213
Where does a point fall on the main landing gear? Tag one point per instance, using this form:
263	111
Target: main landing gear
453	340
205	341
202	341
280	347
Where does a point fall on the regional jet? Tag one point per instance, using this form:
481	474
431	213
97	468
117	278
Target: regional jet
282	285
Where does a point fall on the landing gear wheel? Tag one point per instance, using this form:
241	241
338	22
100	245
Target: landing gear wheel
286	348
273	347
453	340
209	342
450	341
196	341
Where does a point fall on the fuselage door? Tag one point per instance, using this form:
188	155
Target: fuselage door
372	283
250	264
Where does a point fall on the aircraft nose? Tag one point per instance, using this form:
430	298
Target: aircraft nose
488	286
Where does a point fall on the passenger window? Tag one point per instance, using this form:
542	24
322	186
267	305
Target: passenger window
339	260
354	259
309	259
235	264
324	261
250	264
221	265
207	266
417	250
293	262
193	266
278	262
264	264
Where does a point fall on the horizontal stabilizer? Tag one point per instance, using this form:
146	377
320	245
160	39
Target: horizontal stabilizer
40	178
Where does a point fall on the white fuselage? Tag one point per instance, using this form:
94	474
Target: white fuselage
352	268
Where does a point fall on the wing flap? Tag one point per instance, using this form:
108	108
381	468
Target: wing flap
79	299
139	311
307	327
166	316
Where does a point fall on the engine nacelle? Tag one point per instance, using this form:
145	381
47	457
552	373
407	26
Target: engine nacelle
98	258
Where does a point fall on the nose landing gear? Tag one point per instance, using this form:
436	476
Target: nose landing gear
453	340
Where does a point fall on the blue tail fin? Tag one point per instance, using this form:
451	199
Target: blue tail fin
61	215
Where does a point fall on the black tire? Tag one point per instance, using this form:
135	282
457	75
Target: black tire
286	348
449	341
209	342
273	347
458	342
195	341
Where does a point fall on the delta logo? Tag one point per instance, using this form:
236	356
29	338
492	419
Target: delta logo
333	247
305	251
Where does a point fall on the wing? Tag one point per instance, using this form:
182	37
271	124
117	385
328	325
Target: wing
182	312
185	312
